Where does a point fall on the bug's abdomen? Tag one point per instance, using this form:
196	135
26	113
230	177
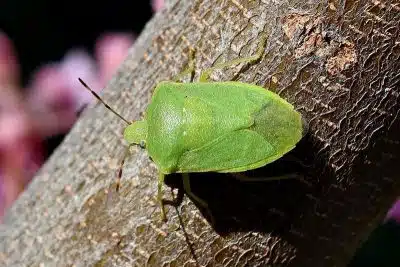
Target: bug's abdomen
280	125
274	130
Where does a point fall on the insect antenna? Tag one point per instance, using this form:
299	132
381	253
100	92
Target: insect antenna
101	100
190	245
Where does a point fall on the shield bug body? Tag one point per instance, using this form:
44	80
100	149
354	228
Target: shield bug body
213	126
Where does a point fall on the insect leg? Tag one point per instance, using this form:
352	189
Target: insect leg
188	190
189	69
121	165
161	177
244	178
182	225
205	74
175	202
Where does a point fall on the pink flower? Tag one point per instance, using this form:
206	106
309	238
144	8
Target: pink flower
20	152
157	4
394	212
53	98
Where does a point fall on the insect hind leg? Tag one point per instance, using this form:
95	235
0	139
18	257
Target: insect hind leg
244	178
205	74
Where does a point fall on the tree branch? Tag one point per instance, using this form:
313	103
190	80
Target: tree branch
336	61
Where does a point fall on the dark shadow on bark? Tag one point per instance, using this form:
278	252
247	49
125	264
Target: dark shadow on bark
261	206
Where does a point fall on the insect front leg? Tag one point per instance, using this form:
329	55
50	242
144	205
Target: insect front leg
121	165
175	202
190	69
160	200
205	74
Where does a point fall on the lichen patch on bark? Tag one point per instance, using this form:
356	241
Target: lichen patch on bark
294	23
311	37
305	32
345	57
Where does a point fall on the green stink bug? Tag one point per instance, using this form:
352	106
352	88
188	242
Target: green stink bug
208	126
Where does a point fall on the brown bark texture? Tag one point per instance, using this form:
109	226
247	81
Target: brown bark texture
336	61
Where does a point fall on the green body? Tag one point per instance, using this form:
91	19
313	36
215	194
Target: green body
215	126
212	126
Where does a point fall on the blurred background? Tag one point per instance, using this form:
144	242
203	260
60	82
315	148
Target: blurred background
44	47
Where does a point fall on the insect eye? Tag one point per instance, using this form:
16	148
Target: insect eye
142	144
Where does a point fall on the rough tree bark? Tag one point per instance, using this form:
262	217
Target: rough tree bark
336	61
